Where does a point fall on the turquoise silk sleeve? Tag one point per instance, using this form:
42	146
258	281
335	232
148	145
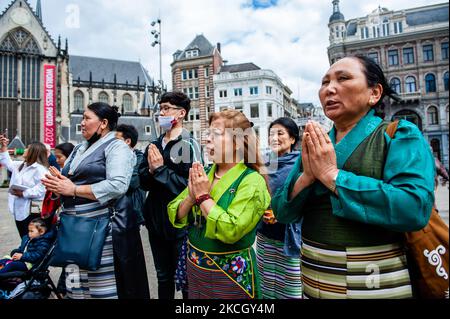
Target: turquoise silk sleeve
402	201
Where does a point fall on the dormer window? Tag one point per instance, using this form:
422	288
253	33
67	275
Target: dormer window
191	53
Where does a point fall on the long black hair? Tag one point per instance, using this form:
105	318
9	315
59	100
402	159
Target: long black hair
104	111
290	126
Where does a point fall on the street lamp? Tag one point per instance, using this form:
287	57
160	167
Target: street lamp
157	36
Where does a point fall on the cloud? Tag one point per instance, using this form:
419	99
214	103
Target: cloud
289	37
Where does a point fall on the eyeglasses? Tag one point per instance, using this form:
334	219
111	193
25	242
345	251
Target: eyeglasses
213	133
167	108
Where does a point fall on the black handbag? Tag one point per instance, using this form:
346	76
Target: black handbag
80	240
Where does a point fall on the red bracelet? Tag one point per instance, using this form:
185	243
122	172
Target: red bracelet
202	198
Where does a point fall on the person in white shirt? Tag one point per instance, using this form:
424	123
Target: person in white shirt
27	173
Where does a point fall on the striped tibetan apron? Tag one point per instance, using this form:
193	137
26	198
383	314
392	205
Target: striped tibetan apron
378	272
280	275
99	284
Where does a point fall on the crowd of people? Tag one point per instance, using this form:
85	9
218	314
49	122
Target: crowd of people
322	210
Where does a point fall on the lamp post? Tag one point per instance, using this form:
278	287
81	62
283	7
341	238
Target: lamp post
157	36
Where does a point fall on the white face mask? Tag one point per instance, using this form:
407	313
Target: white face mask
167	122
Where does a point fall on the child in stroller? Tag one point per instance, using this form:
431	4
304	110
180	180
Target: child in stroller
27	261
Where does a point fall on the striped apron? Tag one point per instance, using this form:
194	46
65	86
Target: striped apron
280	275
98	284
378	272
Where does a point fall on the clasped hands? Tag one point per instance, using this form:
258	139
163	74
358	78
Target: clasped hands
318	155
198	183
154	158
58	184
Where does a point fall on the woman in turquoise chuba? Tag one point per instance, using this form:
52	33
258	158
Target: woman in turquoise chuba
357	190
222	208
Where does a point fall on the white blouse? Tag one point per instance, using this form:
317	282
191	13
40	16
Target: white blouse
29	176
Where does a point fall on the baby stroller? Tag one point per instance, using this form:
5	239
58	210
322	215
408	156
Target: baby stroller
32	284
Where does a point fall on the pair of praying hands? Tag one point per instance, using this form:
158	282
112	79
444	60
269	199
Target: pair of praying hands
318	155
198	183
154	158
57	183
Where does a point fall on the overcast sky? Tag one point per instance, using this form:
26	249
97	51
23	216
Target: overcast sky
289	37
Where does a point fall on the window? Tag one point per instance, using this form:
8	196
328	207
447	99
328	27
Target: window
398	27
269	90
393	57
254	110
373	56
78	129
206	72
385	28
410	83
446	81
337	32
408	55
191	92
238	92
444	50
428	53
78	100
191	53
239	107
207	91
127	102
430	83
223	93
194	114
395	85
432	115
189	74
103	97
376	32
223	108
364	32
269	110
196	95
253	90
148	130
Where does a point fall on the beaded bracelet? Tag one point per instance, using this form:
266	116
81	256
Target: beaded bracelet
202	198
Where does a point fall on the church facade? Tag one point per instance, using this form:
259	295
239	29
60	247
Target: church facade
44	89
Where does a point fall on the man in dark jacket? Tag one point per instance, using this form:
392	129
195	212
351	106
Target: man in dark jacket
32	250
165	175
129	259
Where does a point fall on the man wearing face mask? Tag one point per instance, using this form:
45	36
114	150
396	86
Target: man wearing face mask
164	175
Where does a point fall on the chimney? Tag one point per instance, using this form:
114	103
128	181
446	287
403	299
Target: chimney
218	47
